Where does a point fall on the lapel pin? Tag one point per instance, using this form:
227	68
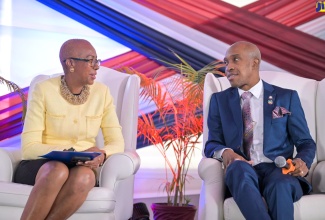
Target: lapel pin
270	100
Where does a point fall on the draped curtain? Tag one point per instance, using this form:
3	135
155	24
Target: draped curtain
280	43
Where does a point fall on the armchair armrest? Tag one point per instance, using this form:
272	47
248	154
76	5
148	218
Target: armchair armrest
213	189
117	174
10	156
318	178
119	167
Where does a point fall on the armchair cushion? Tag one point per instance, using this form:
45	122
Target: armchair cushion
304	208
99	199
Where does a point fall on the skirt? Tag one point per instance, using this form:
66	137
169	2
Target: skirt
27	170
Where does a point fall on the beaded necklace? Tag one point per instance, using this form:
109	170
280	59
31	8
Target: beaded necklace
72	98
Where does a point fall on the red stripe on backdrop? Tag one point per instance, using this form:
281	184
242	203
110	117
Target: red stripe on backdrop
282	46
287	12
10	104
140	63
11	114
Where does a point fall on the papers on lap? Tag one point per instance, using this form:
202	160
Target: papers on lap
70	156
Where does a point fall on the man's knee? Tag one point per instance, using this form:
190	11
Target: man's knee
240	171
280	187
239	168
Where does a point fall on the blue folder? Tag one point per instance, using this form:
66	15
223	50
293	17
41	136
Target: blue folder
70	156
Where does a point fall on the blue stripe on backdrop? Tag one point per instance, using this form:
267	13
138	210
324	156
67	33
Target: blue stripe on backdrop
128	32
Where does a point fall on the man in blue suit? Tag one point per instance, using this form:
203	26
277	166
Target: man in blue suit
278	124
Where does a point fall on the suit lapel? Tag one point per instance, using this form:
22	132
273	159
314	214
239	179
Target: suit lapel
234	105
268	106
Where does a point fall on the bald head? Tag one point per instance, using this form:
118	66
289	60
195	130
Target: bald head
242	61
250	49
74	48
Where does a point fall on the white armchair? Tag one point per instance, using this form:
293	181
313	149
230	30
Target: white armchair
113	199
310	207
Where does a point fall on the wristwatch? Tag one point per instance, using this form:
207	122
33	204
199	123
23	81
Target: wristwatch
215	156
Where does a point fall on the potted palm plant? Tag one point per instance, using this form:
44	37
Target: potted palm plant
176	125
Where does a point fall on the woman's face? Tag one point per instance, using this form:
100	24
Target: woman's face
85	71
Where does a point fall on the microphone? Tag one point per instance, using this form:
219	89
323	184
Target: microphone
286	165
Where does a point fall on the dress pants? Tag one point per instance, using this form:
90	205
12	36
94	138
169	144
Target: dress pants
248	184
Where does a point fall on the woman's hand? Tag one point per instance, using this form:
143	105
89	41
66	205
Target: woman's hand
97	161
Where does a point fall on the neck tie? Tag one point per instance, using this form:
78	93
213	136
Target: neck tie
248	123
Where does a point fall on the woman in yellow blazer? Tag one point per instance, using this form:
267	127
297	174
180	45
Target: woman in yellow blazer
66	112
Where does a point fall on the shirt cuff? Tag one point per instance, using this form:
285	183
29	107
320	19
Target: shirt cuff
218	154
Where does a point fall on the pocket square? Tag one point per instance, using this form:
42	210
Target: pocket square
279	112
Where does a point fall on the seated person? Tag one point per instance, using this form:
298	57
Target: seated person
66	112
250	124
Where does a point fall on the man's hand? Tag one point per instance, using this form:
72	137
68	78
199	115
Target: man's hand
230	156
300	168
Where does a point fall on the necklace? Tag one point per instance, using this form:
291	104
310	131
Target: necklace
72	98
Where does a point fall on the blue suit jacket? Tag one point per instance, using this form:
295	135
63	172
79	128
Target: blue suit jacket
280	134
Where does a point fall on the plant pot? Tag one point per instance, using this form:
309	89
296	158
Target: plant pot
162	211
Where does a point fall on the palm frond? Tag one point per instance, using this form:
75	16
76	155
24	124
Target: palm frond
13	87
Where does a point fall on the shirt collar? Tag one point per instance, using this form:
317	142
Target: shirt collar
255	90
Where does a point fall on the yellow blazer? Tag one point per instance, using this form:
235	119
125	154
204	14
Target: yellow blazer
52	123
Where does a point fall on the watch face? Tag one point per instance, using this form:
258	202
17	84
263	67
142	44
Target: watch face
215	156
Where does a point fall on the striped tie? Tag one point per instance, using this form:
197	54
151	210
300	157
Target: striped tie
248	123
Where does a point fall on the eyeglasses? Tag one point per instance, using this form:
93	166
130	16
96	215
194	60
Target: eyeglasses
92	63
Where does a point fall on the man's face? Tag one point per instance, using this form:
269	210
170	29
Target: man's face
239	68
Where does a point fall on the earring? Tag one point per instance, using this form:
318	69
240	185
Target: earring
71	70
